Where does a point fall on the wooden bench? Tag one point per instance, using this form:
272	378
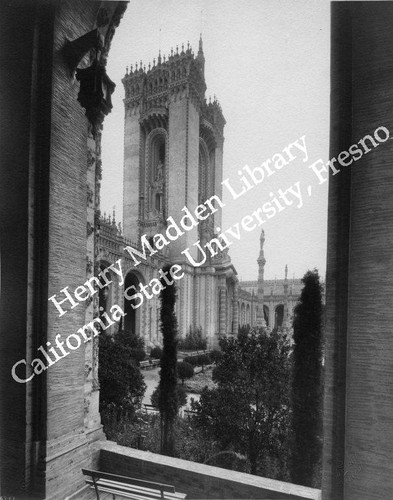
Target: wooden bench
129	487
151	408
144	364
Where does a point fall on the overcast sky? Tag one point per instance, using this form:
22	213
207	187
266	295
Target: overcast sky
267	61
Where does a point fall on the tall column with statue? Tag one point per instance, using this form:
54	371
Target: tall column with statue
261	269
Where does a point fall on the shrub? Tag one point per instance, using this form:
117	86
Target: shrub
215	355
156	353
181	396
121	382
134	343
203	359
185	370
138	354
193	340
192	360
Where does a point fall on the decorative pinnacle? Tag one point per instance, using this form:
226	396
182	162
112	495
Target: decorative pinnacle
286	272
159	57
200	48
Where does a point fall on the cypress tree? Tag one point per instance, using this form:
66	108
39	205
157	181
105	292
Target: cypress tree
307	382
168	398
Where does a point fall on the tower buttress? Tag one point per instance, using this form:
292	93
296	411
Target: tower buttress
261	270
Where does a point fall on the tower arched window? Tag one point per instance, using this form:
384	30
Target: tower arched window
156	175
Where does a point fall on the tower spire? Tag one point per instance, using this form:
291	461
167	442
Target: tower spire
200	57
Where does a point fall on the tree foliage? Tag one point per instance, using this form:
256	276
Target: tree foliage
185	370
193	341
181	396
121	382
307	381
156	353
168	400
249	410
133	342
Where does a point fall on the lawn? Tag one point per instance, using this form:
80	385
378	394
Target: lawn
200	380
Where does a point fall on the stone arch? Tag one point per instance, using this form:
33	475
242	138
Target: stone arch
266	315
204	169
156	173
243	314
230	304
279	316
105	299
132	318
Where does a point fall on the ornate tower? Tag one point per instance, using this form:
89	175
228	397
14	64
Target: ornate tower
261	270
173	147
173	155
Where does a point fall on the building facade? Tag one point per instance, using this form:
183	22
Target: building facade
173	160
278	297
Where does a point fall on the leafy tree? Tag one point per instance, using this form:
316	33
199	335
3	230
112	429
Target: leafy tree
193	341
121	382
215	355
181	396
168	399
307	381
156	353
133	342
185	370
248	412
203	359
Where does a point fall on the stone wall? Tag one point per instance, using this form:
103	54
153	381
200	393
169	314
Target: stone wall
198	481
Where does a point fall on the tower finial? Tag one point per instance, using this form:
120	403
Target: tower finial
286	272
200	57
159	57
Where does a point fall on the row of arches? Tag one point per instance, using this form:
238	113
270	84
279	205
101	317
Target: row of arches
273	318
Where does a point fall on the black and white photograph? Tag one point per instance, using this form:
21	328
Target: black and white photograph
196	266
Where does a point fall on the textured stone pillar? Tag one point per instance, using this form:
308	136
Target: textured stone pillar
235	308
261	283
223	309
358	407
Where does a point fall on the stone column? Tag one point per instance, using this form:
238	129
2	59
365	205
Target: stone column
286	315
235	308
261	269
223	309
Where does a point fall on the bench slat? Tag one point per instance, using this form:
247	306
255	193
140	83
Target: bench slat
128	480
138	496
115	485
